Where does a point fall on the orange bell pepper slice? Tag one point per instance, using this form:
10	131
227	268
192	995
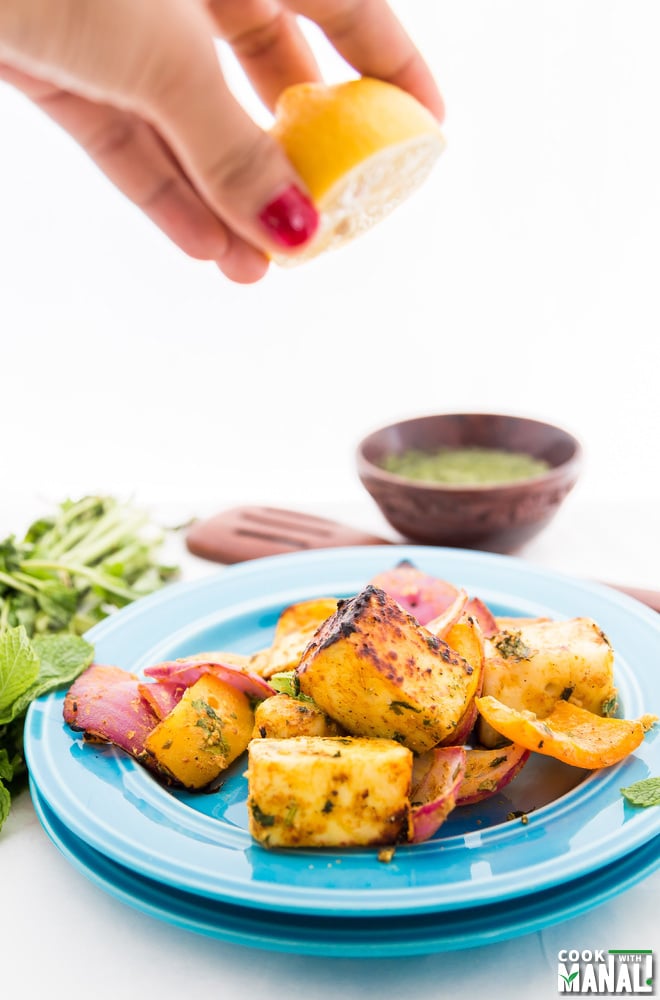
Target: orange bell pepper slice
569	733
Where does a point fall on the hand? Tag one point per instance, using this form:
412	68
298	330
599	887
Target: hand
139	85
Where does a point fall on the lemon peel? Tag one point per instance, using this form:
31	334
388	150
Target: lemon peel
361	147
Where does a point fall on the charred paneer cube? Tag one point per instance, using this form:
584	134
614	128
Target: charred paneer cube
329	792
377	672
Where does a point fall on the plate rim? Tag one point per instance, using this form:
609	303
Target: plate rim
587	893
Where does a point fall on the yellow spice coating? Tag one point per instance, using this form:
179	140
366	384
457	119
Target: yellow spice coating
328	792
208	729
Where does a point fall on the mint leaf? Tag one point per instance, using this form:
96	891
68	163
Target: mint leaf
61	658
6	774
11	752
46	662
286	682
69	571
72	569
6	766
643	793
10	556
59	601
5	803
19	668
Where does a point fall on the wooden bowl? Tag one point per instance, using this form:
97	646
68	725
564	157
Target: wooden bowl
495	517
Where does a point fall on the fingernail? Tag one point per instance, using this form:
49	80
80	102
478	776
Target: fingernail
291	218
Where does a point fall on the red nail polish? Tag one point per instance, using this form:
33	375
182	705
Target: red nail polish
291	218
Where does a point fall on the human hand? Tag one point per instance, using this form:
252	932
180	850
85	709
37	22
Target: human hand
138	84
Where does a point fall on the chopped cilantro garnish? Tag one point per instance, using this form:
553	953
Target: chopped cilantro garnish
511	646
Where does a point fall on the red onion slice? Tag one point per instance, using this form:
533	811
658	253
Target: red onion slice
482	613
421	595
489	771
440	625
187	672
432	601
105	704
162	696
467	722
437	777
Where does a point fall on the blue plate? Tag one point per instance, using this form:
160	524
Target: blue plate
199	844
351	937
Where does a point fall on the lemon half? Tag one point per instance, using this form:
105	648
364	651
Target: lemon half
361	147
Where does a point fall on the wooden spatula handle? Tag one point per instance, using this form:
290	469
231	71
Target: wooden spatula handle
244	533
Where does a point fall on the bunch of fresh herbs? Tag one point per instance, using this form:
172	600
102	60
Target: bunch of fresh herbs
68	572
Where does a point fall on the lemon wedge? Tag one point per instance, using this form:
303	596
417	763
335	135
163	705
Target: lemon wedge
361	147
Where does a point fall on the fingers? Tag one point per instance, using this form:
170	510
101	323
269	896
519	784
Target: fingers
274	52
155	61
369	36
268	43
240	171
135	159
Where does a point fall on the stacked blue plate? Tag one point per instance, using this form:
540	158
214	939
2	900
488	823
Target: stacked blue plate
189	859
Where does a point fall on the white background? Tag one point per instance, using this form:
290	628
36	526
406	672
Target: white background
522	278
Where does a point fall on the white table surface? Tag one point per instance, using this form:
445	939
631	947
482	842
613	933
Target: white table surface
522	278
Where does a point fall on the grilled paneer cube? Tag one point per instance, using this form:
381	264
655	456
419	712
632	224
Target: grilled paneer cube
532	665
377	672
208	729
328	792
282	716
